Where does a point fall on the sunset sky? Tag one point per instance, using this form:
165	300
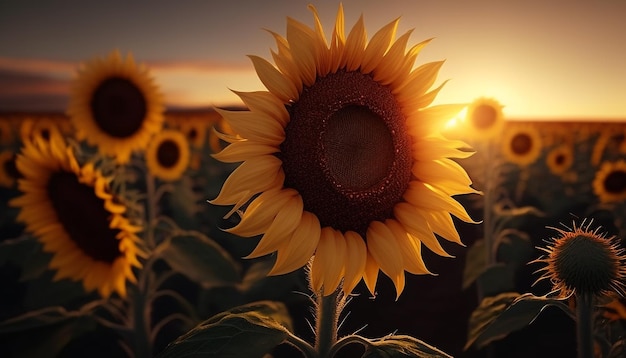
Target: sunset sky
540	59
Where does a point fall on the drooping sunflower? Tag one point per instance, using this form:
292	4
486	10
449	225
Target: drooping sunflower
484	118
70	210
167	155
609	183
115	105
8	171
342	151
521	143
580	260
560	159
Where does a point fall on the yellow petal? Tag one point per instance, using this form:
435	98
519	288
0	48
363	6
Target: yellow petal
442	224
300	248
371	274
423	195
410	247
355	45
256	126
273	80
327	266
261	212
281	229
415	223
252	176
265	102
303	49
378	46
384	248
356	257
242	150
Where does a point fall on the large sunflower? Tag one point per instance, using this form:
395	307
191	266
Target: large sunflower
71	212
484	118
521	143
342	151
609	183
168	154
115	105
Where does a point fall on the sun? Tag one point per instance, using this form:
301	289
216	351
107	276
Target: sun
70	210
340	160
115	105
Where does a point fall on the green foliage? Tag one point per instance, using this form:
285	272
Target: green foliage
200	259
498	316
246	331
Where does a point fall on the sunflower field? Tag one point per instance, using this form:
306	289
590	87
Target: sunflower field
337	214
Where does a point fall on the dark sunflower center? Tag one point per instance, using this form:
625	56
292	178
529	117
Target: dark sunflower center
615	182
168	153
358	146
192	134
585	263
45	134
347	151
560	159
119	107
83	216
484	116
521	143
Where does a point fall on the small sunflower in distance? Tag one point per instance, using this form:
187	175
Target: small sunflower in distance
484	118
609	184
560	159
580	260
167	155
70	210
343	154
115	105
521	143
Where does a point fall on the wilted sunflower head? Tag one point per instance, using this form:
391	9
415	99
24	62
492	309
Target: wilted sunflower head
341	159
484	118
71	211
521	143
609	183
580	260
167	156
115	105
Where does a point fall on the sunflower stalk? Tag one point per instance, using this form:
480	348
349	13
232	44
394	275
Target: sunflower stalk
584	324
327	313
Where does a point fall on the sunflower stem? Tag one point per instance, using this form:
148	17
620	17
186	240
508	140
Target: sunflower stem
151	207
584	325
327	316
141	324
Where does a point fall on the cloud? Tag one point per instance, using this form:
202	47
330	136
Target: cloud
44	85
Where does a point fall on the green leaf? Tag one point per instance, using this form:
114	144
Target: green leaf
514	247
475	263
244	332
496	279
199	258
496	317
402	346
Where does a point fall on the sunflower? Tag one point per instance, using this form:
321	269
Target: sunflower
8	171
194	128
560	159
115	105
484	118
43	128
167	155
342	153
580	260
521	143
609	183
70	210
